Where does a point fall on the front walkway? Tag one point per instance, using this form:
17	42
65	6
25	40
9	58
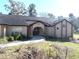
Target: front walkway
35	39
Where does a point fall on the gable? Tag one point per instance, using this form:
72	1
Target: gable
63	21
38	24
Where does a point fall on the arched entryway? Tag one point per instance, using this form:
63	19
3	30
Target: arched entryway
37	31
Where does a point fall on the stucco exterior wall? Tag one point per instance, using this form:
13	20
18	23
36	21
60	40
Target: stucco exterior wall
69	29
38	24
54	31
64	29
3	29
49	31
0	30
20	29
58	30
61	30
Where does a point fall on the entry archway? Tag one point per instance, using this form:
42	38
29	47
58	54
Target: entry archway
37	31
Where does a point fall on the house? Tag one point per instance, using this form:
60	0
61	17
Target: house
30	26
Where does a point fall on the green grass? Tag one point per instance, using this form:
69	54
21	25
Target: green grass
3	41
76	35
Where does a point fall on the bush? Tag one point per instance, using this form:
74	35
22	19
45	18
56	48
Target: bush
10	38
3	40
31	53
17	36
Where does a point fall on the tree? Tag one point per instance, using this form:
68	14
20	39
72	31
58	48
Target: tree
32	10
74	20
60	17
16	8
71	15
51	15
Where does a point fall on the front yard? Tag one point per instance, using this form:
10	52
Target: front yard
76	35
41	50
46	50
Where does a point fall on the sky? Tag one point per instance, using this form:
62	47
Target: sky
56	7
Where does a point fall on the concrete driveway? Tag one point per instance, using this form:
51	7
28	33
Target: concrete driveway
35	39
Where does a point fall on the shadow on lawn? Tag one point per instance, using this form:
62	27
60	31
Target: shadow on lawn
58	39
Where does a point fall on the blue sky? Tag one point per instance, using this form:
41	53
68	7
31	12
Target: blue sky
57	7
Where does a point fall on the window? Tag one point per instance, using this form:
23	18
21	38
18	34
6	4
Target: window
57	28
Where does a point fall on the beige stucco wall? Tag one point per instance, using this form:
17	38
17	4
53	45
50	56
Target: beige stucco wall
3	29
69	29
62	31
0	30
65	31
58	31
20	29
49	31
38	24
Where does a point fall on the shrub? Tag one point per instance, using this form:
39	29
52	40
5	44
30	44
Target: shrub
31	53
3	40
18	36
10	38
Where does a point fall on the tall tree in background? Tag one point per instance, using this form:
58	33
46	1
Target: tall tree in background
16	8
50	15
32	10
71	15
74	20
60	17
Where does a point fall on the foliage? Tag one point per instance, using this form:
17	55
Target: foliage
10	38
18	36
76	35
32	10
50	15
71	15
42	50
3	40
16	8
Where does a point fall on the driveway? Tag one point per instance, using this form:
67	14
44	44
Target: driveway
35	39
75	41
38	38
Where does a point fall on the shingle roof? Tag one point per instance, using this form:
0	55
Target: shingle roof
25	20
21	20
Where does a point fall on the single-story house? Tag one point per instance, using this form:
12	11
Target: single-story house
30	26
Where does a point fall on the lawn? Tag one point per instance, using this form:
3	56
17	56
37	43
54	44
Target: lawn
76	35
50	48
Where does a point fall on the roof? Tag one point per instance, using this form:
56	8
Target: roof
25	20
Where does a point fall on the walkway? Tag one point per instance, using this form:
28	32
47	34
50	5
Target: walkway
35	39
